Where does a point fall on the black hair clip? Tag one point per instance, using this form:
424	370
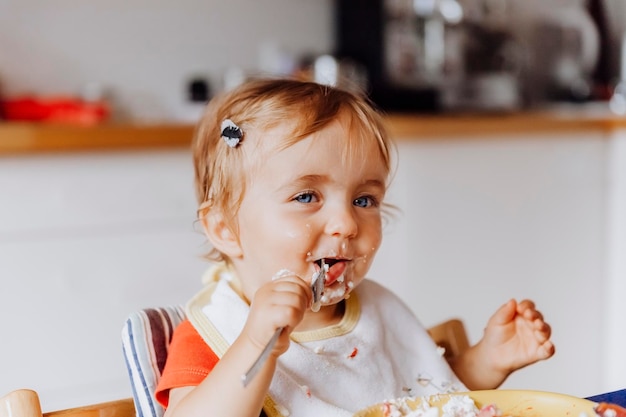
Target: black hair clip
231	133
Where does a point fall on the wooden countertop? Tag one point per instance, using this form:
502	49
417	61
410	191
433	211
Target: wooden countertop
25	138
466	126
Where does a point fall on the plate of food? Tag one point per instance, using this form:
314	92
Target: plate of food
487	403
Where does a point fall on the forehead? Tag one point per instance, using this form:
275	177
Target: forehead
314	161
353	140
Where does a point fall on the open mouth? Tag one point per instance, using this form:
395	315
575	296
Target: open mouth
328	261
336	268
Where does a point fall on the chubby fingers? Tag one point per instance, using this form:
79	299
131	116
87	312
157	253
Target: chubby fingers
281	302
291	291
541	329
546	350
527	310
505	314
545	347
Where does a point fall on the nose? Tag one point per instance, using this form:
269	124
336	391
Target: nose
341	221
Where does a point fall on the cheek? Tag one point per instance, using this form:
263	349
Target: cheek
296	238
375	236
279	232
371	245
296	231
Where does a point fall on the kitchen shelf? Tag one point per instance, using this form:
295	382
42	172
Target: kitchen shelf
31	138
494	125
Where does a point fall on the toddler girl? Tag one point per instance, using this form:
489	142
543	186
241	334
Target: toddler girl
291	176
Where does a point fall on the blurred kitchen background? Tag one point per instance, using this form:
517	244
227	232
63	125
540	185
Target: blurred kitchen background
486	214
156	61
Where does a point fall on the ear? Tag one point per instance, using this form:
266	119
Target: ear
221	236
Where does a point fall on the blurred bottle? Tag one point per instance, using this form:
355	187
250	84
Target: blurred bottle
328	69
491	59
422	41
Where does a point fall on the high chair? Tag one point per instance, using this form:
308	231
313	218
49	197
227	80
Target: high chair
25	403
146	338
20	403
451	336
147	334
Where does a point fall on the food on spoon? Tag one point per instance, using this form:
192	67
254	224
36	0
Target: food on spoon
317	285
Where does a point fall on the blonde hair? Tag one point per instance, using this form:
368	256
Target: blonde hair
258	105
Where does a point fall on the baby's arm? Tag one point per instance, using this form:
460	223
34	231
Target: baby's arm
515	336
279	303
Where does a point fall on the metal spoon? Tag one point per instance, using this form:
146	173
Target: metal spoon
317	286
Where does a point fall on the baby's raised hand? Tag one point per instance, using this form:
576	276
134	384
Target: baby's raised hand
278	303
517	336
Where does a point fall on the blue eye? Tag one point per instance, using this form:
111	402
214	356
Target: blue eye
364	202
305	198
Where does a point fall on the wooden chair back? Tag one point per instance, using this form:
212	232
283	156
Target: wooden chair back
118	408
25	403
20	403
451	336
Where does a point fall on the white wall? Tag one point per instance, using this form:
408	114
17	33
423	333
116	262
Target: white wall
615	310
84	240
488	220
145	51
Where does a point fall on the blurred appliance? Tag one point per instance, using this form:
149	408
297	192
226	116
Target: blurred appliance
407	47
489	80
470	55
561	49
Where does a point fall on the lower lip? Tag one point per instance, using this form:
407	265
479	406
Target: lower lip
336	292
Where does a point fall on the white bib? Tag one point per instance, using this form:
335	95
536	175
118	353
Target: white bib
379	351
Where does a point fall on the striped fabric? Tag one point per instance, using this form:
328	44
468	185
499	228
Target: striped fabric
146	337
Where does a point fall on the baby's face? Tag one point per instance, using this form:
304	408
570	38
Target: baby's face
305	203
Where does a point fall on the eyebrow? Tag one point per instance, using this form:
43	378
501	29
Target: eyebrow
375	183
307	179
311	178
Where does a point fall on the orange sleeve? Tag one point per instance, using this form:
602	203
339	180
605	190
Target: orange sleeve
189	361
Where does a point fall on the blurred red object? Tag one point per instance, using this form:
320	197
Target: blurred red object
54	109
609	410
